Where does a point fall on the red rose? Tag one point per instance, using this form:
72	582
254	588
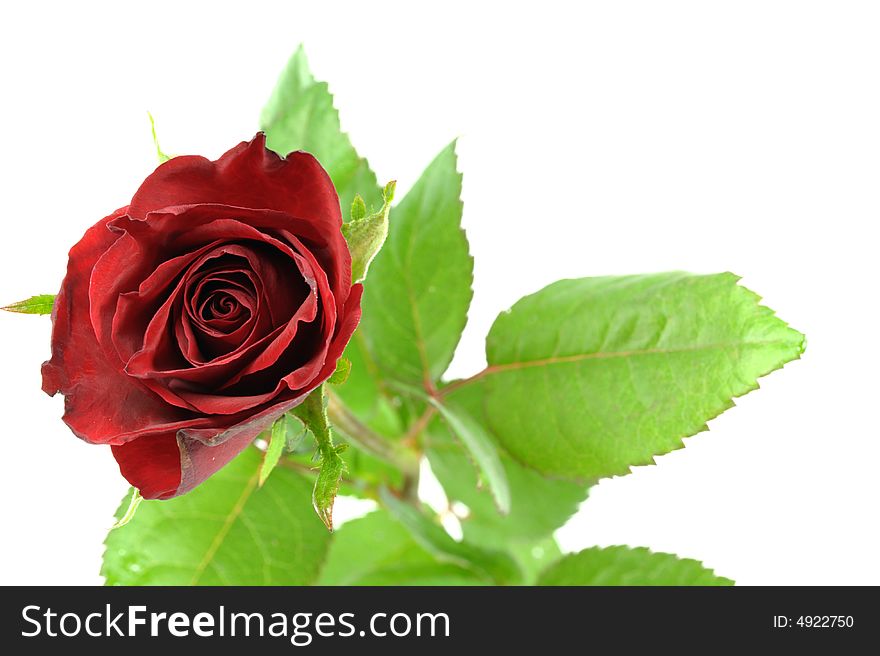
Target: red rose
189	320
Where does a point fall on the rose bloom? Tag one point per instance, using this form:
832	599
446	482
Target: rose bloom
192	318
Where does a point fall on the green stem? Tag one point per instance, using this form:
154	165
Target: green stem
365	439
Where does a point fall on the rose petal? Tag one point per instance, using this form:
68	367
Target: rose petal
191	345
168	465
118	316
351	317
189	228
296	185
145	364
284	342
151	464
346	329
102	405
231	403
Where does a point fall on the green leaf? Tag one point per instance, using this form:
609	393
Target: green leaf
295	79
341	373
286	432
626	566
433	573
162	157
227	531
313	413
300	116
480	446
377	550
495	565
415	305
41	304
538	505
365	392
534	557
366	474
589	377
366	233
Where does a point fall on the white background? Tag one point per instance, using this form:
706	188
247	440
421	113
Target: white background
596	138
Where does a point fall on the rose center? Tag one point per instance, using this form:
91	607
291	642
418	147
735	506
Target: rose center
223	304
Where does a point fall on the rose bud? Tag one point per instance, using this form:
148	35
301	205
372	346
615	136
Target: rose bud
210	305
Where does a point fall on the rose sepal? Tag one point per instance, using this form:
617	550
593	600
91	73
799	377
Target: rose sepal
366	233
313	413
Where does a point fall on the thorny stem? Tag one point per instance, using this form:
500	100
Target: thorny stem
301	468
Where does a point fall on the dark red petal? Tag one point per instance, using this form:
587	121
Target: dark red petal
144	364
190	344
151	464
351	316
202	462
102	405
260	420
166	466
203	457
248	175
231	404
273	351
182	229
338	276
198	224
253	424
140	321
118	313
82	258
